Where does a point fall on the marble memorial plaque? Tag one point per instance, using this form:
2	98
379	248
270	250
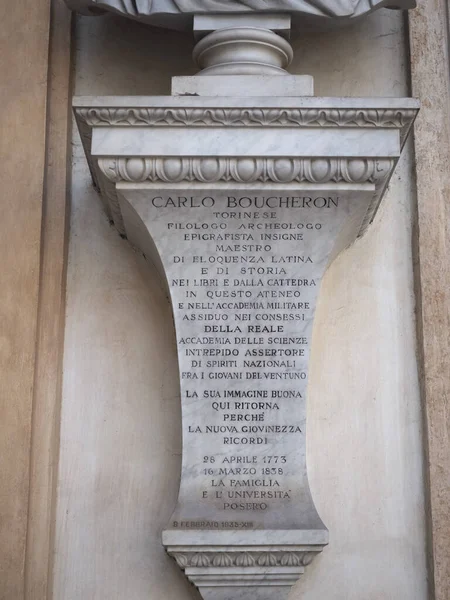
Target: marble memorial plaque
244	268
242	204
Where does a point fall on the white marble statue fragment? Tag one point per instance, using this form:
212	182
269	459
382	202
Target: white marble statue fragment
175	13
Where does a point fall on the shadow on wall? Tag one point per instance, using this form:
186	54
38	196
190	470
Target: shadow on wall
116	56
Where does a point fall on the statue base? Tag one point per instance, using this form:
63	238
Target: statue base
242	202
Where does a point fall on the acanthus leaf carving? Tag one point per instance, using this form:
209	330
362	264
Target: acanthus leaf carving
290	560
200	560
247	559
267	560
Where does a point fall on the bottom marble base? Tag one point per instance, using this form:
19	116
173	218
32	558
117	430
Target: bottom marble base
211	580
251	592
230	565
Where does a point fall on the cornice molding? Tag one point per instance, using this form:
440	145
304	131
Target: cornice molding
245	170
186	112
249	117
241	558
239	170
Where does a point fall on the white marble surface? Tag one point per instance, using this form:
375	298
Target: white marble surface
374	103
120	430
206	23
243	224
230	271
243	284
172	142
254	85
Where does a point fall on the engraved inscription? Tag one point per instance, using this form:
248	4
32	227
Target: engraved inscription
244	271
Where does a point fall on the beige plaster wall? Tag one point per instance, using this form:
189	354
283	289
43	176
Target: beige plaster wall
120	429
24	77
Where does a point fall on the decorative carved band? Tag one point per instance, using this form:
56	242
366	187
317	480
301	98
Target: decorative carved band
237	117
243	566
245	170
243	559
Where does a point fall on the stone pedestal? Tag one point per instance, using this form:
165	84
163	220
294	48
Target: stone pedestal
242	203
